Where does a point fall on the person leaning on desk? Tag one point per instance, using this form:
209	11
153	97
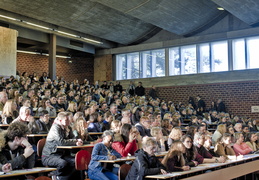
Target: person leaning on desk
103	151
146	163
16	151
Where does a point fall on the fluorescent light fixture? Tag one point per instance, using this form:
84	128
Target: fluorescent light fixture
43	54
91	40
27	52
68	34
63	56
221	8
10	18
36	25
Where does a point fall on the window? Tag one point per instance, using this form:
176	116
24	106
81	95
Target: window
152	63
239	60
174	61
252	53
127	66
204	58
188	60
219	56
121	67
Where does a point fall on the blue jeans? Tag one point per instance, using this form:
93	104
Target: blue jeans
105	175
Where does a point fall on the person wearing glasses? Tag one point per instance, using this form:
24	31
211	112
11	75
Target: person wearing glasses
146	163
144	126
103	151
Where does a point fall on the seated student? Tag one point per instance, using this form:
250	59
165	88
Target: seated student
80	130
95	122
16	150
192	157
240	147
116	126
25	117
251	140
144	126
223	147
146	163
43	123
175	135
157	134
221	129
103	151
174	159
194	121
58	136
125	143
107	121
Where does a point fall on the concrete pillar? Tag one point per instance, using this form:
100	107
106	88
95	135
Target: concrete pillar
52	56
8	47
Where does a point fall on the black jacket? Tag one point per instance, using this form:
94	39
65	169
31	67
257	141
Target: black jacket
144	165
140	91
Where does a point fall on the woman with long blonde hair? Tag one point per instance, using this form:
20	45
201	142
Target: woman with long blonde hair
221	129
9	112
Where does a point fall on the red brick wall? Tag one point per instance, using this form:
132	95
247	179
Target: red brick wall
81	68
238	96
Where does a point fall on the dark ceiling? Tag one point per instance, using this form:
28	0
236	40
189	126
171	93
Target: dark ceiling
127	22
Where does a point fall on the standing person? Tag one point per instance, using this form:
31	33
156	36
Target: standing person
103	151
146	163
118	87
17	150
201	107
104	85
44	77
152	93
221	106
140	90
59	136
131	89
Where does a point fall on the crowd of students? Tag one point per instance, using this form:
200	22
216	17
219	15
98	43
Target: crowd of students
132	123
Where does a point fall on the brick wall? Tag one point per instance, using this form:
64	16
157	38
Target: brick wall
237	96
80	68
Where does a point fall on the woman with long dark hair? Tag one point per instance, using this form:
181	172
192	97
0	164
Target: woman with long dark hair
125	142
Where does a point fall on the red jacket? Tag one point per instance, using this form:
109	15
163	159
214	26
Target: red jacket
124	149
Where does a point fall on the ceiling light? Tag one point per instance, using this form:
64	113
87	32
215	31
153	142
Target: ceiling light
221	8
91	40
36	25
10	18
27	52
68	34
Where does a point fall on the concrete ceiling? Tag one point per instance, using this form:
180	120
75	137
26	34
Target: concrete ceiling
126	22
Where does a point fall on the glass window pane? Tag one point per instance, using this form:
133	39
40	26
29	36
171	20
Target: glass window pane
121	72
204	58
219	52
146	64
239	61
152	63
133	65
188	57
158	62
252	53
174	61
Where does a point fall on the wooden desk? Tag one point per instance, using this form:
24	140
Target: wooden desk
245	168
4	126
95	133
76	147
27	171
130	158
37	135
